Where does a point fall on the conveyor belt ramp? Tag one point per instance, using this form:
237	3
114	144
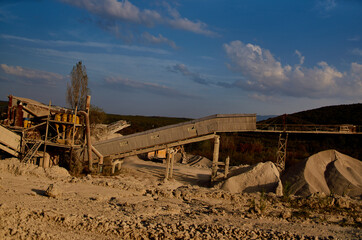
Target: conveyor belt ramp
177	134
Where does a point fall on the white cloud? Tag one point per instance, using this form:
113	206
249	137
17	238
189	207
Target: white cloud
326	5
263	98
31	75
127	12
354	39
262	73
194	76
158	40
301	57
126	84
61	43
188	25
120	10
357	52
257	64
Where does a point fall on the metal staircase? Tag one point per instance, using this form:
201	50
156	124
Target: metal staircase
29	155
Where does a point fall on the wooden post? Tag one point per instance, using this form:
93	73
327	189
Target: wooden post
215	158
46	135
227	163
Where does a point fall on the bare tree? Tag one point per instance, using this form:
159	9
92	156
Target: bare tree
78	90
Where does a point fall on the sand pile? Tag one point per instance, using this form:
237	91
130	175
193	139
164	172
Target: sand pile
326	172
14	166
199	161
262	177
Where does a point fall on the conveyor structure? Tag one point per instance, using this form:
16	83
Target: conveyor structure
172	136
9	141
176	135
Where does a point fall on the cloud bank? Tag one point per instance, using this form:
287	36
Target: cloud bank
158	39
194	76
262	73
61	43
31	76
326	5
127	84
127	12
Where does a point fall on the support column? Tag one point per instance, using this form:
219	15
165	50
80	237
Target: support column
227	163
167	163
215	158
172	161
282	152
46	136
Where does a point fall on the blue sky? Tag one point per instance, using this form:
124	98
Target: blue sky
189	58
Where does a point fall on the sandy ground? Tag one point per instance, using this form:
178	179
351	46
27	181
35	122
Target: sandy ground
139	204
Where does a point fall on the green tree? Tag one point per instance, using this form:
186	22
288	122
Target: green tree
77	89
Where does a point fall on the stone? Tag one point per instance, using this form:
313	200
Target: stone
53	191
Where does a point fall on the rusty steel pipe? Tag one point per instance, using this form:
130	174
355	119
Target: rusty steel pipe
88	135
89	144
98	155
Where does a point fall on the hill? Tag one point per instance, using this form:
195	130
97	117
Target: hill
143	123
331	115
250	148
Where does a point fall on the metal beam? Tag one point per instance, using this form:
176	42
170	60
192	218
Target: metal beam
307	132
165	146
177	132
9	150
215	158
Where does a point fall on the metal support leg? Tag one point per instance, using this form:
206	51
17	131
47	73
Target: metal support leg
168	159
282	151
172	161
215	158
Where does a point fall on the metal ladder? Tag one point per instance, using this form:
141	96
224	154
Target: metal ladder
29	155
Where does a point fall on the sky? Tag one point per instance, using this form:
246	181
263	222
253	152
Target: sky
185	58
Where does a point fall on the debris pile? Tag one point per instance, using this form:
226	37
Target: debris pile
108	131
14	166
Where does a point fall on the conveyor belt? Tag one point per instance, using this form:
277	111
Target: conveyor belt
172	134
9	141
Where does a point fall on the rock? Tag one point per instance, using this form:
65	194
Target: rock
57	172
286	214
53	191
342	202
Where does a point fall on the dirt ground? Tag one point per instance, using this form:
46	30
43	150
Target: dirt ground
138	204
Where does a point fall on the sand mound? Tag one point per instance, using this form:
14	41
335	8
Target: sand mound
262	177
14	166
326	172
56	172
199	161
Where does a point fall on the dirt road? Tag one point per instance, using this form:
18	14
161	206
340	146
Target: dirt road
139	204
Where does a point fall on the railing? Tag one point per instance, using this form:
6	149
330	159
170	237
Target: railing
342	128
